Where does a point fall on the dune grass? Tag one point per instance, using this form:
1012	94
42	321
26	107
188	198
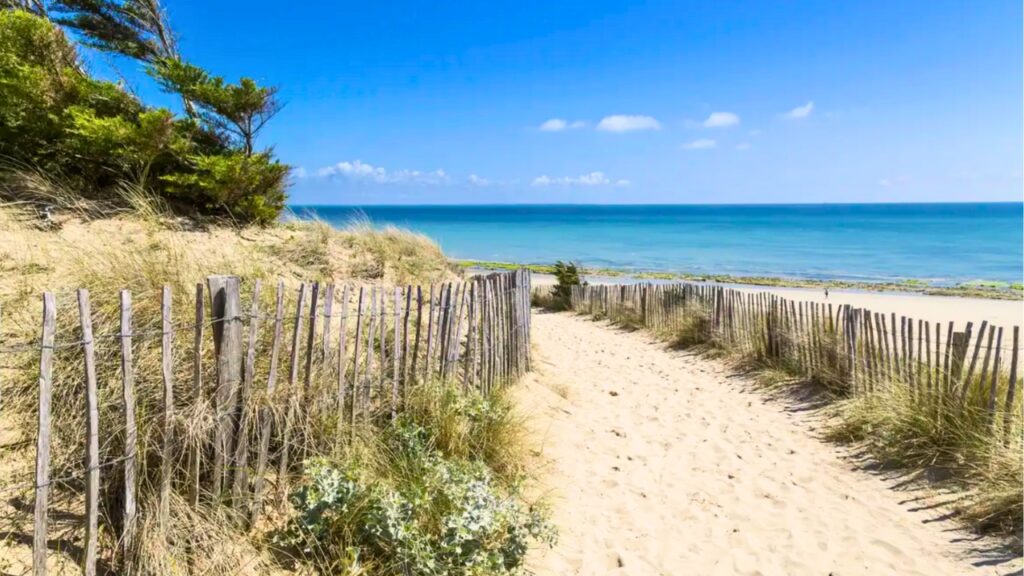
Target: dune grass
141	247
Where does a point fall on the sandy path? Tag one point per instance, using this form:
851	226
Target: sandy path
656	462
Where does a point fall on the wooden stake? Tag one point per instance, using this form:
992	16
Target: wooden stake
43	436
227	340
291	393
239	489
196	455
129	517
266	414
167	363
92	444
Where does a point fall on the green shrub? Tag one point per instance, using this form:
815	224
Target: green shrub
249	188
567	275
423	515
94	135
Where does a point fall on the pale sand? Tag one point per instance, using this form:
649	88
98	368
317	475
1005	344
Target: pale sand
942	309
660	462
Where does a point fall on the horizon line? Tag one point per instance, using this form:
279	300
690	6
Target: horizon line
707	204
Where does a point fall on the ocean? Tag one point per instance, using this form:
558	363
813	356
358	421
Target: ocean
938	243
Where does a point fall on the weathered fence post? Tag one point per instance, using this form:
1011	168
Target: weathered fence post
239	490
197	392
293	377
1010	409
43	435
128	518
266	415
227	340
167	368
92	435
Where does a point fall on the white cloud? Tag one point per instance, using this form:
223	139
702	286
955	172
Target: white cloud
626	123
299	172
478	181
743	146
894	182
553	125
591	179
700	144
359	170
721	120
560	125
800	111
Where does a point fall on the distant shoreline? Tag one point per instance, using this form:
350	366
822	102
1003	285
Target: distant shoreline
975	289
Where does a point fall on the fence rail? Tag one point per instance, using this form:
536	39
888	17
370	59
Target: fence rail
852	350
352	354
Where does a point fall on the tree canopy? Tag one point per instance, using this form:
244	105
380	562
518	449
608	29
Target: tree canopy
57	118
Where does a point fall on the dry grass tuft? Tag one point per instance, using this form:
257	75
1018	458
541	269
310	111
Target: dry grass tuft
909	428
467	425
201	540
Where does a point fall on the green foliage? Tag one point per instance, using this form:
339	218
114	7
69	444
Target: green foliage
567	275
249	188
435	516
56	119
133	28
35	83
116	143
240	110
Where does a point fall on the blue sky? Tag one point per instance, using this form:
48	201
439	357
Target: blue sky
603	101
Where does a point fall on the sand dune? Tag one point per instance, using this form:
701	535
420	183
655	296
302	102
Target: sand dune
660	462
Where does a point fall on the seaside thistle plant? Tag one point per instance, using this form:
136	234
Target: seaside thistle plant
415	512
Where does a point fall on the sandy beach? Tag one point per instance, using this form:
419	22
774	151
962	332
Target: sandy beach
662	462
942	309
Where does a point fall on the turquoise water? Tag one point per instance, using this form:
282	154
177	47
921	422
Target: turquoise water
941	243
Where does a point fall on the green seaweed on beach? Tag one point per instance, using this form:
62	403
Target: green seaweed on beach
973	289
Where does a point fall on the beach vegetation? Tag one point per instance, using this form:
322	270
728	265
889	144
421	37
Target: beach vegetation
567	277
955	440
94	135
476	440
558	296
438	492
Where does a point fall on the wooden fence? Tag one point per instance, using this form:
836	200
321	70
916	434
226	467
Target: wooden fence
144	432
851	350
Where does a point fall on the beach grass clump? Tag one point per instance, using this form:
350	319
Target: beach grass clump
541	297
395	254
194	540
362	250
627	319
996	502
692	330
469	425
973	447
436	492
141	247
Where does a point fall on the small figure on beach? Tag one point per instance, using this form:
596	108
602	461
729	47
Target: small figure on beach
826	293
